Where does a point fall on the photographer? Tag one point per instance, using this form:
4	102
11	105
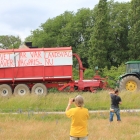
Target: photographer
79	119
115	101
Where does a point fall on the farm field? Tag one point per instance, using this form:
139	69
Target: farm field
56	127
25	124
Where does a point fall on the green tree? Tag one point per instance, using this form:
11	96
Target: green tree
67	29
134	32
54	32
99	40
83	23
118	33
9	41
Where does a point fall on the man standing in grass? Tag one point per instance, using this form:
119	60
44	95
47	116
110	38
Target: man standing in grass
79	116
115	101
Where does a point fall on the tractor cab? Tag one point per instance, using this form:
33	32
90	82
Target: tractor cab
133	67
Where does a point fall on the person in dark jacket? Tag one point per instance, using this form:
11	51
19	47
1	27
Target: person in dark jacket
115	102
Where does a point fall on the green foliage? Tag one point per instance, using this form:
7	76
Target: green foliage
113	74
99	40
9	42
67	29
89	73
109	38
52	90
134	32
83	23
54	32
118	33
75	74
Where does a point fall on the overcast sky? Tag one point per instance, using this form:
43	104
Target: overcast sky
19	17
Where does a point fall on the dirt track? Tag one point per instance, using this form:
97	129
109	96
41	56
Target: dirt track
93	111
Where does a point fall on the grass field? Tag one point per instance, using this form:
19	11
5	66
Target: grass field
44	126
56	127
58	101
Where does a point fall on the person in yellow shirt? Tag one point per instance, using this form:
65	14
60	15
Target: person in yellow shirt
79	119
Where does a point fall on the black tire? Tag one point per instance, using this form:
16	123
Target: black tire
21	89
39	89
5	90
130	83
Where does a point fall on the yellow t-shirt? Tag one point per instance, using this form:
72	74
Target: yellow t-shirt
79	117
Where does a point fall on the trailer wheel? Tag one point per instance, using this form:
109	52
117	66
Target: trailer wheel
39	89
130	83
5	90
21	89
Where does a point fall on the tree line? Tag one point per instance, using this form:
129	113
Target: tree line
105	36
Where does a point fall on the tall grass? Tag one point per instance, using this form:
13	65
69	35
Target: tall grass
56	127
58	101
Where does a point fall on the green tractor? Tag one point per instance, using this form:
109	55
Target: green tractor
130	81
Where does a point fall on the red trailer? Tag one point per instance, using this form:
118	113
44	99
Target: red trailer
24	71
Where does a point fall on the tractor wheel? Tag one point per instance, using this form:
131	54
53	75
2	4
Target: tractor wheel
130	83
21	89
5	90
39	89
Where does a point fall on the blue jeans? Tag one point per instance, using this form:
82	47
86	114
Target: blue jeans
117	112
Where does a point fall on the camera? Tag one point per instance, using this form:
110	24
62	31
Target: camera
73	100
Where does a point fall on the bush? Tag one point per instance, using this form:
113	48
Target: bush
113	74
